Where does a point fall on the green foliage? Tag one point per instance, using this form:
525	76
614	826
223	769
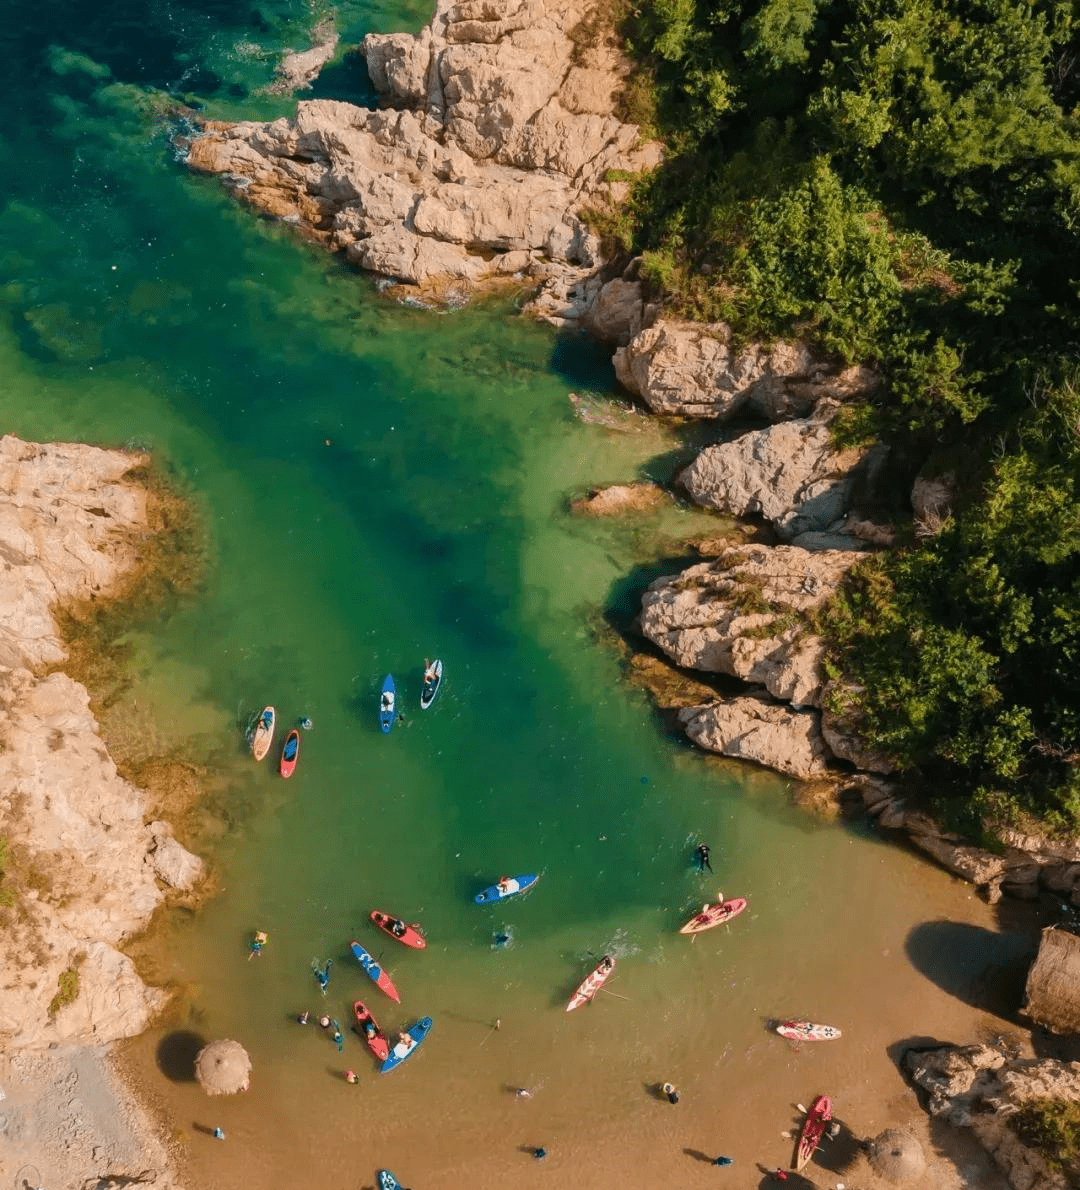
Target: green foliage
1052	1126
67	990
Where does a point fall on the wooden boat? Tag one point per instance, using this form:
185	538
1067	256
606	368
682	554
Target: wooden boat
388	703
290	753
508	886
715	915
410	936
401	1051
592	984
376	1042
431	686
374	972
813	1128
807	1031
261	734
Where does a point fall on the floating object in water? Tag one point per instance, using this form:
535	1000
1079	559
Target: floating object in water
290	753
807	1031
592	983
261	733
408	1044
715	916
409	935
503	938
374	1036
508	886
387	703
374	972
432	682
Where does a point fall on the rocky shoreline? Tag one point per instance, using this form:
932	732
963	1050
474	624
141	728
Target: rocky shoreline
87	860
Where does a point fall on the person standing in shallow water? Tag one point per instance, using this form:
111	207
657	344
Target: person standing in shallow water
670	1090
701	855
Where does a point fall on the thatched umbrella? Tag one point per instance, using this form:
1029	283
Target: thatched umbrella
896	1155
223	1068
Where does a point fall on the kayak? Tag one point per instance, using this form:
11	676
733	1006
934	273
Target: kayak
715	915
387	703
375	972
377	1042
817	1117
508	886
431	687
590	986
387	1181
290	753
807	1031
401	1051
262	733
411	936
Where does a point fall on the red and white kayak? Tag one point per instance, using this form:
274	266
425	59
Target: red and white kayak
807	1031
376	1041
813	1128
590	986
290	753
714	915
409	935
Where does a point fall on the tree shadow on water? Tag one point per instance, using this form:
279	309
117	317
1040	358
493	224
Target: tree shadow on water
176	1054
982	968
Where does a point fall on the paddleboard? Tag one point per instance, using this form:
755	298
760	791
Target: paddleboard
431	688
388	703
411	936
509	886
290	753
592	984
262	733
807	1031
714	915
376	1042
400	1052
374	972
387	1181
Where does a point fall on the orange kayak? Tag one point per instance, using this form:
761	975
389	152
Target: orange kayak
714	915
290	753
376	1042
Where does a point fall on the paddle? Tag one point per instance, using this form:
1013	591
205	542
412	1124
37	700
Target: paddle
494	1029
611	993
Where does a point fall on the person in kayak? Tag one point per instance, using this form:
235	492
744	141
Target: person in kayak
387	703
371	1030
397	927
506	885
606	963
429	672
701	854
404	1045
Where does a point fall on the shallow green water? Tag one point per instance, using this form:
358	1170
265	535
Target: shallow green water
383	484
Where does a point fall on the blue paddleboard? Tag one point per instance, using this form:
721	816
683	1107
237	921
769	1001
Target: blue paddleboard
387	703
418	1032
387	1181
515	885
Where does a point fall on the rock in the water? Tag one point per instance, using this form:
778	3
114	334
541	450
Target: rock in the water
621	498
618	312
754	728
297	70
173	863
791	474
695	370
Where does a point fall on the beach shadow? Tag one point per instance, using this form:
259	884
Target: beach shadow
982	968
205	1129
839	1154
655	1091
176	1054
698	1155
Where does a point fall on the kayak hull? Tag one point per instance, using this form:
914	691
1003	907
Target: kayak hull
717	915
262	734
807	1031
374	972
386	717
378	1044
412	936
494	893
813	1128
431	689
387	1181
590	986
288	762
417	1032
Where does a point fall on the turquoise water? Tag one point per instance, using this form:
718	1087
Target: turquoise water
382	484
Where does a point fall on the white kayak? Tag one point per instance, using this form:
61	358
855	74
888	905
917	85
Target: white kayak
262	733
592	984
807	1031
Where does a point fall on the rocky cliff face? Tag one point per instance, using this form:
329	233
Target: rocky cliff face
494	141
85	866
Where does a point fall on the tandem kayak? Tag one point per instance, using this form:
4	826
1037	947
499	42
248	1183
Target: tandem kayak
388	703
817	1117
807	1031
410	934
432	682
375	973
714	915
290	753
591	985
261	733
376	1040
508	886
406	1049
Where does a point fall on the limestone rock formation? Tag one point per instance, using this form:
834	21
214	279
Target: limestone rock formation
618	311
621	498
498	142
297	70
743	614
791	474
696	370
755	728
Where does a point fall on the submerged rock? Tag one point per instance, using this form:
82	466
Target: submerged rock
621	498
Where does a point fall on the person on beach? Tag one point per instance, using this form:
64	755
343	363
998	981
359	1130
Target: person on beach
671	1092
258	941
723	1161
833	1130
351	1076
303	1018
701	854
539	1152
523	1093
219	1134
780	1174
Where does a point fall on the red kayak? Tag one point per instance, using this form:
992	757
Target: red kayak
817	1117
713	916
290	753
376	1041
397	929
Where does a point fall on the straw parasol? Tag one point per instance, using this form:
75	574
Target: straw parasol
223	1068
896	1155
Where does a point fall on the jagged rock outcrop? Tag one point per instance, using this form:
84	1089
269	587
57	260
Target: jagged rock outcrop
755	728
500	141
298	69
744	614
696	370
791	474
978	1087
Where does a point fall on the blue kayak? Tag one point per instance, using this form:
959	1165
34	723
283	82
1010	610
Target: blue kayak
508	886
400	1052
388	703
375	972
387	1181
